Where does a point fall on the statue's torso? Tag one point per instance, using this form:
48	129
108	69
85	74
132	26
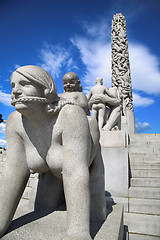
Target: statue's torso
37	143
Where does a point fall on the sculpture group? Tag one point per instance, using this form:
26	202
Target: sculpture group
55	136
105	104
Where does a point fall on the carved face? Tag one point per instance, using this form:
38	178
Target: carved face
70	85
22	89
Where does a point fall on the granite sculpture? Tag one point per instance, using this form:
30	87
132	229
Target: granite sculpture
98	108
47	133
73	91
120	61
105	104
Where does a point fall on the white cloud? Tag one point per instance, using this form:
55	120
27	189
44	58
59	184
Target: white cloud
2	131
141	127
5	98
54	58
2	143
2	128
145	72
141	101
97	58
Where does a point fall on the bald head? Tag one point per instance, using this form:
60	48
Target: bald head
99	80
71	82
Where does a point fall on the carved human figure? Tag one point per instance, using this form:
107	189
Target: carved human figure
114	110
98	108
46	133
112	103
73	91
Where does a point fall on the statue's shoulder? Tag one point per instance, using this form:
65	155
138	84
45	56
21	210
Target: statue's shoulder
70	114
82	94
71	109
14	116
14	119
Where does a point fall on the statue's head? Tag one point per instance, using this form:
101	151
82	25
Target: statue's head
99	80
32	84
71	82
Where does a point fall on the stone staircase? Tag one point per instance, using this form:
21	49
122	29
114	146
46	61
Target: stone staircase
143	215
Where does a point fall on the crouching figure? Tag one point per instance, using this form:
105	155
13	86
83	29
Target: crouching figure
47	133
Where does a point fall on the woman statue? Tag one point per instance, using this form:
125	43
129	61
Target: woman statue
47	133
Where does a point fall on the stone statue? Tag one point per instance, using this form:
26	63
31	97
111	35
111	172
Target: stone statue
73	91
49	133
98	108
114	110
106	105
120	61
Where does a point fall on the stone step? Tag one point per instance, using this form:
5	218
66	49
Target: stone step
143	155
144	150
144	192
145	182
144	136
142	224
145	173
144	159
146	206
144	165
134	236
140	144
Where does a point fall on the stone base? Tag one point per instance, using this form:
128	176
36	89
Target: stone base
128	122
115	158
113	139
52	226
116	171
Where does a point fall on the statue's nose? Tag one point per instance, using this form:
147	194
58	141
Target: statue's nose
16	91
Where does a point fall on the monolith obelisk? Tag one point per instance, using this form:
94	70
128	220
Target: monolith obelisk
121	77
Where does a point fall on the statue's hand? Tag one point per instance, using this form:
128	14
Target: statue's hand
96	99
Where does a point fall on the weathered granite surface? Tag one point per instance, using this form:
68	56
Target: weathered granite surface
52	226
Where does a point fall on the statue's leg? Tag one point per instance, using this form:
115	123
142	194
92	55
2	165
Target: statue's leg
94	111
101	115
113	118
12	184
97	188
76	189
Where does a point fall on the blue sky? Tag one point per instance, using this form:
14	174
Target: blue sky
67	35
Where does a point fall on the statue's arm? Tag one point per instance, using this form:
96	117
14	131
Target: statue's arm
14	175
83	103
109	93
110	101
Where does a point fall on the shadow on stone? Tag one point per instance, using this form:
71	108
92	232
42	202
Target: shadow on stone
110	202
30	217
